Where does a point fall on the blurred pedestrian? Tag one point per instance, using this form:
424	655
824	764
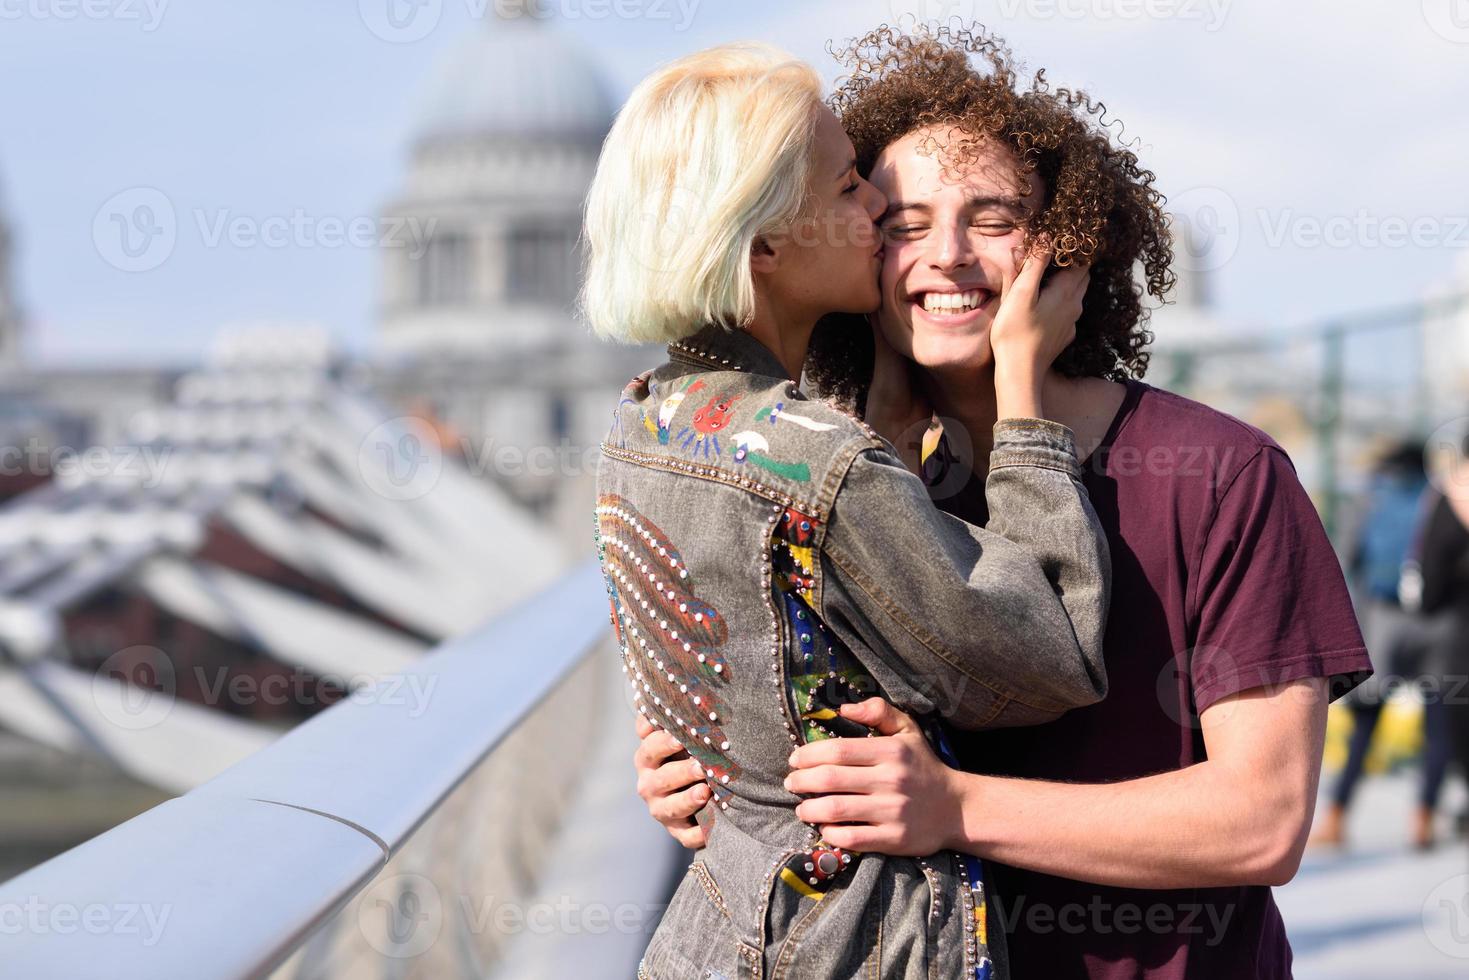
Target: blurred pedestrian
1444	566
1398	636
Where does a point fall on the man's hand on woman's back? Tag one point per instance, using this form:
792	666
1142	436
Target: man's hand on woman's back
671	783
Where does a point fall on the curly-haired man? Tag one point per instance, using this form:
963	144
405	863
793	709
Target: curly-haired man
1138	837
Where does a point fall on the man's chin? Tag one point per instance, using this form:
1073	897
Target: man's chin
953	355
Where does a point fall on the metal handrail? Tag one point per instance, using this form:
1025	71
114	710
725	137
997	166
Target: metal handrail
227	880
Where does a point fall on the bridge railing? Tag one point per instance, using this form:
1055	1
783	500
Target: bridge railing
230	879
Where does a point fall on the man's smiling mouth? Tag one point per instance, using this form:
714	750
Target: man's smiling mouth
952	302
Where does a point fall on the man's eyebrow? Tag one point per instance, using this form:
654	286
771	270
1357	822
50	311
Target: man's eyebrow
896	206
995	201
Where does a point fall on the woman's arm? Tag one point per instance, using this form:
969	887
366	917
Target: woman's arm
986	628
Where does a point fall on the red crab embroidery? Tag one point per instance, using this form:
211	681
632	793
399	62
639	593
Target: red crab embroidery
714	416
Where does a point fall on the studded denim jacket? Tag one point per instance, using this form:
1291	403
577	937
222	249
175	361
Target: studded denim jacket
767	558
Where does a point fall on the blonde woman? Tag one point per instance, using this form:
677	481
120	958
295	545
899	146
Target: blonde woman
769	558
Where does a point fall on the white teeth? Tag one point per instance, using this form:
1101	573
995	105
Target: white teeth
951	302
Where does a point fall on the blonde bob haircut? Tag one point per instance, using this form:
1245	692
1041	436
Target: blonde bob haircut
710	154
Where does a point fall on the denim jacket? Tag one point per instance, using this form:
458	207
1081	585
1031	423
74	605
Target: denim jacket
767	558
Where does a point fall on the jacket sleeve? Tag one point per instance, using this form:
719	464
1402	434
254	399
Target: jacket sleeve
988	627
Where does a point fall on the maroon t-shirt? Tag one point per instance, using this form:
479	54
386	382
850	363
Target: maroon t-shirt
1223	580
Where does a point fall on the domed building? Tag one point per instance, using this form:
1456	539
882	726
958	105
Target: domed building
511	125
477	303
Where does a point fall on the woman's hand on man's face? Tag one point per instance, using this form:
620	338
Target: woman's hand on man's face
1036	321
888	793
671	783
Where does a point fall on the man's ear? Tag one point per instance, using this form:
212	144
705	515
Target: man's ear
764	258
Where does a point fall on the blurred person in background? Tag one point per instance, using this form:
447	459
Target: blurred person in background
1443	557
1397	634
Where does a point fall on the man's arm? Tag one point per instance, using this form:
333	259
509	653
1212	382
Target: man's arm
1241	817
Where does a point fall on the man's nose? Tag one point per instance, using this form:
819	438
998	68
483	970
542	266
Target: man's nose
951	250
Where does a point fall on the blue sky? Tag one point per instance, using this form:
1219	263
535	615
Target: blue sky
1319	133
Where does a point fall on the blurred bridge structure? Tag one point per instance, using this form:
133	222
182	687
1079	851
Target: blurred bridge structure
373	701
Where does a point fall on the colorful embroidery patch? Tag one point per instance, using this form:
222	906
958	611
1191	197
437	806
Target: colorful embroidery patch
704	435
668	408
822	672
778	412
670	638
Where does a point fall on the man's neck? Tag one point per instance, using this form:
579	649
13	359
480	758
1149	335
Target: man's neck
1085	405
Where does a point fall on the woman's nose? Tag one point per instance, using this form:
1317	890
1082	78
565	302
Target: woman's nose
877	201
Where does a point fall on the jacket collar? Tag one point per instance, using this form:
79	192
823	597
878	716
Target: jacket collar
720	348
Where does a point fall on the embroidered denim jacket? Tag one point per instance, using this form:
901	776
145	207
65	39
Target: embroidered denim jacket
767	557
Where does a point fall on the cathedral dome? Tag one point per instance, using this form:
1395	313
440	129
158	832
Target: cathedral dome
515	77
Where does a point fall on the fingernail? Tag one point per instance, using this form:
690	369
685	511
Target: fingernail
792	760
786	782
701	793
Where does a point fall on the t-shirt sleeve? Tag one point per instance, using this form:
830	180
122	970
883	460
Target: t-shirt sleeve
1272	601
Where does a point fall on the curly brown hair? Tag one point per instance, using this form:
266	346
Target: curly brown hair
1100	206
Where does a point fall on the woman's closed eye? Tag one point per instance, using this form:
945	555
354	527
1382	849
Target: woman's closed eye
904	230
